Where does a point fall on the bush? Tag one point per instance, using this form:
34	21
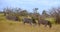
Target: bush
52	20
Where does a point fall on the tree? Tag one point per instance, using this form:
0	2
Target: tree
44	14
55	12
4	11
23	13
17	10
7	11
35	13
35	10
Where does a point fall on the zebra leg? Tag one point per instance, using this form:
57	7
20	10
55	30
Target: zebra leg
50	26
39	24
45	25
30	23
23	22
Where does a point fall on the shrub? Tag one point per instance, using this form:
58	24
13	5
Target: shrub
52	20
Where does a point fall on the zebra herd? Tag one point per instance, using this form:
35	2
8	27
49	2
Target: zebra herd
32	21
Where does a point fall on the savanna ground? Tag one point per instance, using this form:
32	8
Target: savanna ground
15	26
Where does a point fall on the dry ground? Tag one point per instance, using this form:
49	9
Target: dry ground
11	26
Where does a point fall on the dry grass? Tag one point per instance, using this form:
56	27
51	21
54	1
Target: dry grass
12	26
9	26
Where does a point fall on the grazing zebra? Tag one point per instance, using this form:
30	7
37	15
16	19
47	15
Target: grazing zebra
45	22
12	18
30	21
